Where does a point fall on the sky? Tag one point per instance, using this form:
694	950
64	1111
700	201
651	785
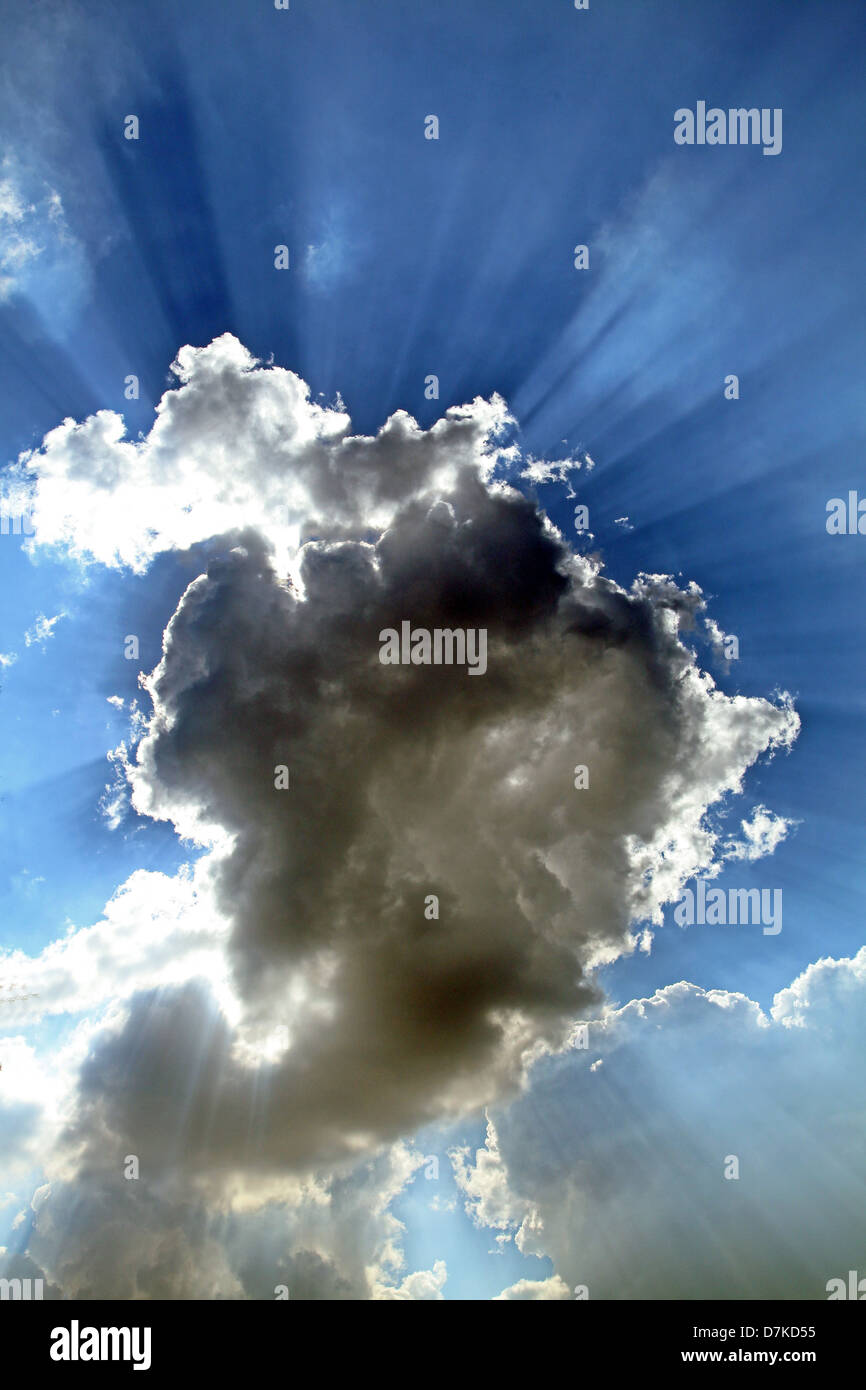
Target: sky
230	478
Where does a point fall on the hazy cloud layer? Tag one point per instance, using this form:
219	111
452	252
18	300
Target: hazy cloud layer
618	1172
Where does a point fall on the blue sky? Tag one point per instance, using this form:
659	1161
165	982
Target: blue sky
455	257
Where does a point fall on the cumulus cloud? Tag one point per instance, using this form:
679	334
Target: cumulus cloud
236	445
289	1005
423	1286
526	1289
620	1177
326	1236
157	931
488	1199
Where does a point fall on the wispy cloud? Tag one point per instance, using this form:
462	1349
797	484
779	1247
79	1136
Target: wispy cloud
42	629
40	258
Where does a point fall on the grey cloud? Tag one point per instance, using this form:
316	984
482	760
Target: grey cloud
102	1236
402	784
413	780
405	781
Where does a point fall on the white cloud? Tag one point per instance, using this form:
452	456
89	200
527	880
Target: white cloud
157	931
114	802
16	248
424	1284
42	629
537	470
484	1184
761	835
237	445
12	208
39	256
526	1289
440	1203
